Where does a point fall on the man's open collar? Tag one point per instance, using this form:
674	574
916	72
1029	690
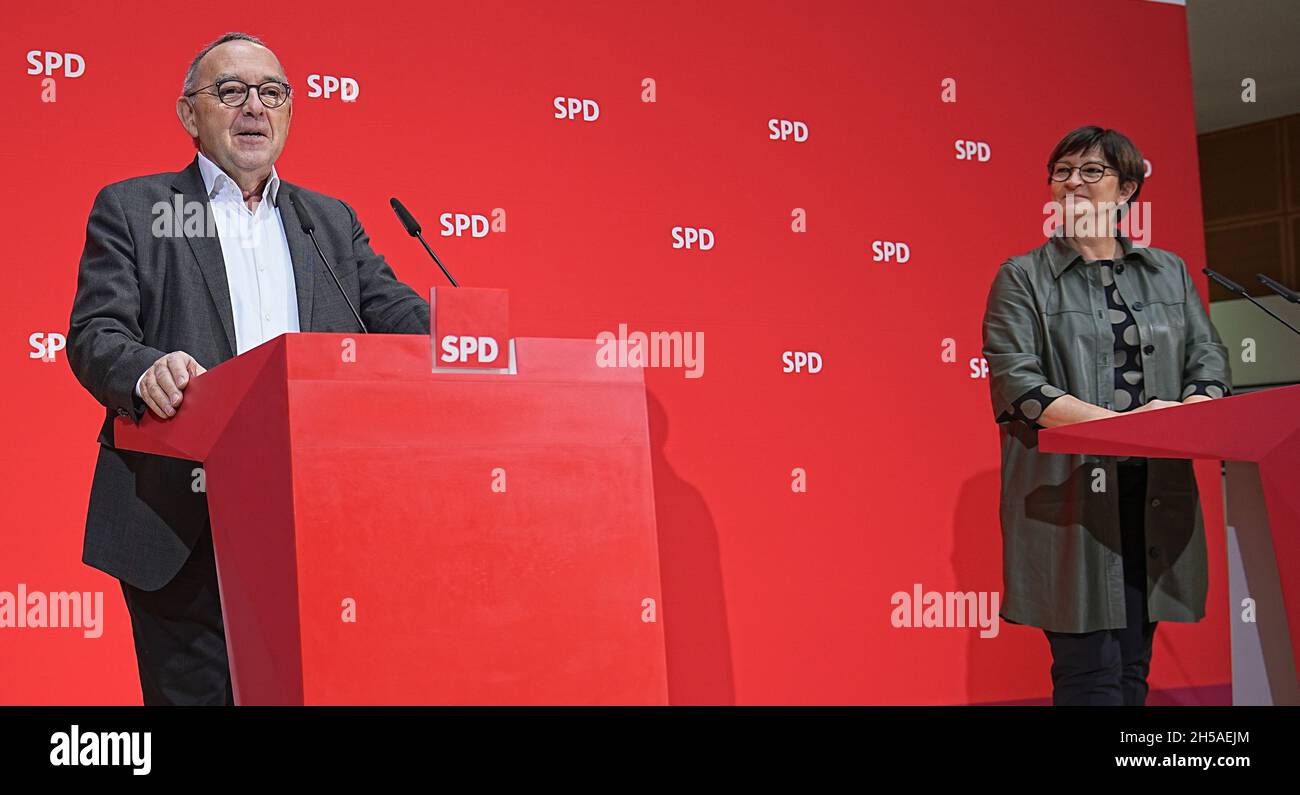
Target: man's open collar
214	177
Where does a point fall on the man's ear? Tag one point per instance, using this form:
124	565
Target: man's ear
189	120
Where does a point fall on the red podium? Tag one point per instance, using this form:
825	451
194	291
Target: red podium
388	534
1261	428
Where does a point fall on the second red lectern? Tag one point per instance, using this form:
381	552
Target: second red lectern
1262	428
388	534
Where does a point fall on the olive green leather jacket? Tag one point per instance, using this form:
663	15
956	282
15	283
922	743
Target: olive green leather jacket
1046	322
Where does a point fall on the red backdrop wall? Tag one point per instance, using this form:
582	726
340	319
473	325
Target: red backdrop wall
769	595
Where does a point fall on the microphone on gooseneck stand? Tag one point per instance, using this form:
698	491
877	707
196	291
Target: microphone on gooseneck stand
1237	289
413	229
1280	289
309	226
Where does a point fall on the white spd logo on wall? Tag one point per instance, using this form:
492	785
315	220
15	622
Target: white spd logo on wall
801	362
976	151
326	86
686	237
787	130
576	108
890	250
458	224
46	63
46	344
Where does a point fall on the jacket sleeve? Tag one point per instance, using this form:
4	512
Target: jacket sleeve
1011	344
388	305
1205	356
105	343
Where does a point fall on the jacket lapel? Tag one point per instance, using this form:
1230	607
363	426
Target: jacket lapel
301	251
207	249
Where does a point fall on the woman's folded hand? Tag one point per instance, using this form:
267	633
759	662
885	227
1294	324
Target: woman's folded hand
1155	404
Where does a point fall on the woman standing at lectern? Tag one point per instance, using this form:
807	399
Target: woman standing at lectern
1097	550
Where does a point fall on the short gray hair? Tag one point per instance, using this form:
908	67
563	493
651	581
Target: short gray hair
192	75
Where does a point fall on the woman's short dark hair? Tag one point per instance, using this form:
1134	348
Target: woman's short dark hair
1119	151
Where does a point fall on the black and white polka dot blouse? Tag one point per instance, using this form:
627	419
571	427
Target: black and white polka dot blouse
1129	391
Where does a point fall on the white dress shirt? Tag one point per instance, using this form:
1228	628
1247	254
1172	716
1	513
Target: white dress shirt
259	270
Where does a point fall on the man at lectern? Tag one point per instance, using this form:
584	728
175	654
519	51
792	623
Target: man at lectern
180	272
1097	550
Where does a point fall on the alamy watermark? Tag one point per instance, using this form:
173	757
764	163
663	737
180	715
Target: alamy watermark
23	609
193	219
946	609
679	349
77	748
1082	217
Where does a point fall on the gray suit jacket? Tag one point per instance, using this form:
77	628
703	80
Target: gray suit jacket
141	295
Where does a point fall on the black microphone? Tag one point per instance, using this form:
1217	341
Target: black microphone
1226	283
1237	289
1280	289
413	229
309	226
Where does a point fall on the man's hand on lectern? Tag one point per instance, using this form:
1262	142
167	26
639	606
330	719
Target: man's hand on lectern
163	382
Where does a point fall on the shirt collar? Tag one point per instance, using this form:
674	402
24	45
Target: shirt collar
1061	256
215	180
